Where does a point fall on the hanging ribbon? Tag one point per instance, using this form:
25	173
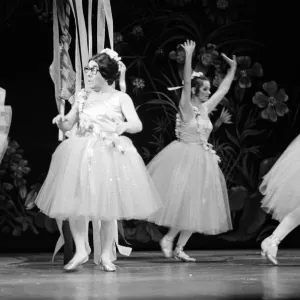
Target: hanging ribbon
100	26
55	66
90	28
109	21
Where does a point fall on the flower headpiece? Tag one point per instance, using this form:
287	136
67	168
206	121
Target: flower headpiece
194	74
113	55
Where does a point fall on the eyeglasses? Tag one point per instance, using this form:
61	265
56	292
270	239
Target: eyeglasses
93	70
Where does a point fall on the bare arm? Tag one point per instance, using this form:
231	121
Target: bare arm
122	81
185	101
133	123
224	87
66	123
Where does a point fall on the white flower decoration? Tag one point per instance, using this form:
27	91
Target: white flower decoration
196	74
112	54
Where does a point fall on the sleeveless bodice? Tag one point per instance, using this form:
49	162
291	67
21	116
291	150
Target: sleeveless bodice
197	130
99	117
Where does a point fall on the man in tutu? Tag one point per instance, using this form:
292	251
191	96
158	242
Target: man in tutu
97	173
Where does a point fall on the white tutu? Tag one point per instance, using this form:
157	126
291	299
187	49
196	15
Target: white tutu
281	186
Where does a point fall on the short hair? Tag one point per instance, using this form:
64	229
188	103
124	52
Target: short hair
108	67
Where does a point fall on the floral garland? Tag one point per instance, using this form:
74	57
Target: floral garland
198	113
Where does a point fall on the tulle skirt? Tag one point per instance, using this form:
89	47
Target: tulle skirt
99	179
193	189
281	185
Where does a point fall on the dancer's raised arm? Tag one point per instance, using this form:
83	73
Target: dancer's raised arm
185	101
224	87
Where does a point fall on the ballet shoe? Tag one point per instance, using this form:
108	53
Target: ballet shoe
166	246
108	266
179	255
269	248
73	265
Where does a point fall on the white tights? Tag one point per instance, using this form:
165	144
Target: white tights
183	237
289	223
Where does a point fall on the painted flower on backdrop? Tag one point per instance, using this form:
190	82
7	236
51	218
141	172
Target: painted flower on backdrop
137	31
118	38
274	103
208	55
138	84
245	70
159	52
20	167
224	118
222	12
12	148
178	55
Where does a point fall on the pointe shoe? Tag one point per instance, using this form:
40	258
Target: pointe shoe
181	256
269	248
166	246
108	266
73	265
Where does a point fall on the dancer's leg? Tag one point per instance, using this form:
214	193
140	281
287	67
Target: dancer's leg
78	229
166	243
107	242
178	252
269	245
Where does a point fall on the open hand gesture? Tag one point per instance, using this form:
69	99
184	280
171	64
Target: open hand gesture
189	47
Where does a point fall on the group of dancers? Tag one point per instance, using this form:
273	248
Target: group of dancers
97	174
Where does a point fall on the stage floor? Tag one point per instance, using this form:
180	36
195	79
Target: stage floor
241	274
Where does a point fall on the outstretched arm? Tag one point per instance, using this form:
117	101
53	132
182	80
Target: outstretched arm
224	87
185	101
133	123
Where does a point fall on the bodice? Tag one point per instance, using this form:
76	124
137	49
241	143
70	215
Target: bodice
197	130
99	116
